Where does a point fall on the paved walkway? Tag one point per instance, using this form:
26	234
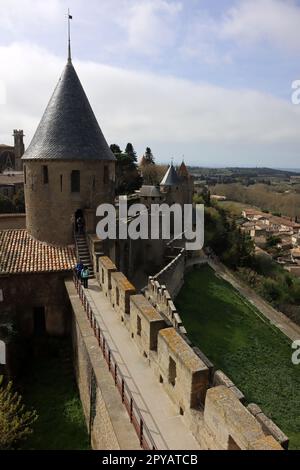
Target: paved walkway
166	425
281	321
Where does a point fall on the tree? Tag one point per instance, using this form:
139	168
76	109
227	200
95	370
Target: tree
15	421
115	149
6	205
273	241
128	178
271	290
129	150
153	174
206	196
149	156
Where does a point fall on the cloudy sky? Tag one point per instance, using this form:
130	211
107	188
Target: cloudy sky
207	79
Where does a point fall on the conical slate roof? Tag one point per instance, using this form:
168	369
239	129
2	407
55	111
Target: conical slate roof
171	178
183	171
68	129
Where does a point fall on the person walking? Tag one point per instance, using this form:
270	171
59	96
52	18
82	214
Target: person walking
80	225
78	269
85	276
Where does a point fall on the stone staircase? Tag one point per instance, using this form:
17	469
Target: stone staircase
83	253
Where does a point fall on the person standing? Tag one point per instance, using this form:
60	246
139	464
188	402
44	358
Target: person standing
79	268
85	276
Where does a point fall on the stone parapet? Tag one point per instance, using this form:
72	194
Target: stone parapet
210	403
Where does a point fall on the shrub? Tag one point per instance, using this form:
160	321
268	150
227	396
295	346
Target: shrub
271	290
15	420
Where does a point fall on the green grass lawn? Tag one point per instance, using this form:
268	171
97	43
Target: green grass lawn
241	342
49	387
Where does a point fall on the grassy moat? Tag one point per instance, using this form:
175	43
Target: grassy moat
49	386
241	342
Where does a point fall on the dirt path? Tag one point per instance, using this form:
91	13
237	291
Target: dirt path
281	321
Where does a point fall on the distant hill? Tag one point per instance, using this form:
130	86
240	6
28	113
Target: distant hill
243	172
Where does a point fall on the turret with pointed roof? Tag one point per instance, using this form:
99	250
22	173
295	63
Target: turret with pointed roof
68	165
171	178
68	129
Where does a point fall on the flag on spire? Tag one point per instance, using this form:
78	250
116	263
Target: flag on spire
70	17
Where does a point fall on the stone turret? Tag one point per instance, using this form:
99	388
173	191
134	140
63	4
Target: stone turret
68	165
19	148
187	183
170	186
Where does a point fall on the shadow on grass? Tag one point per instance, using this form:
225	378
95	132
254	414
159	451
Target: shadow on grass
49	386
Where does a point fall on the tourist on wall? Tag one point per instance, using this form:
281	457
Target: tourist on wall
78	268
85	276
80	225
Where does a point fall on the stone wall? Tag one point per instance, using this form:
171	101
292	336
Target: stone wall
145	323
120	292
184	375
203	397
52	204
172	275
12	221
23	293
232	426
106	419
105	269
161	299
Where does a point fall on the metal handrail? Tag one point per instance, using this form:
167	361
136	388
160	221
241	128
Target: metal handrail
145	437
75	242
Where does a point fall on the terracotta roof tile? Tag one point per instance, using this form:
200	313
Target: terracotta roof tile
21	253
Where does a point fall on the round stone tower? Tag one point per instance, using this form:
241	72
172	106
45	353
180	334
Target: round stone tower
68	165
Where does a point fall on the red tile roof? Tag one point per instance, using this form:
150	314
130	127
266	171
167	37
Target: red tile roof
20	253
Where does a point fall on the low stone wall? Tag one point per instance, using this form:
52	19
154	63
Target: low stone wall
233	427
172	275
12	221
268	425
161	299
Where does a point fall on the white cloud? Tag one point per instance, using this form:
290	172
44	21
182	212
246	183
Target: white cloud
200	40
146	108
16	15
151	25
249	23
276	22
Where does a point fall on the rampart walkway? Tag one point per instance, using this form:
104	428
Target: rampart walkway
165	424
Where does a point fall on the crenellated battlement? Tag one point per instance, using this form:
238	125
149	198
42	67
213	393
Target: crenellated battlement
211	405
